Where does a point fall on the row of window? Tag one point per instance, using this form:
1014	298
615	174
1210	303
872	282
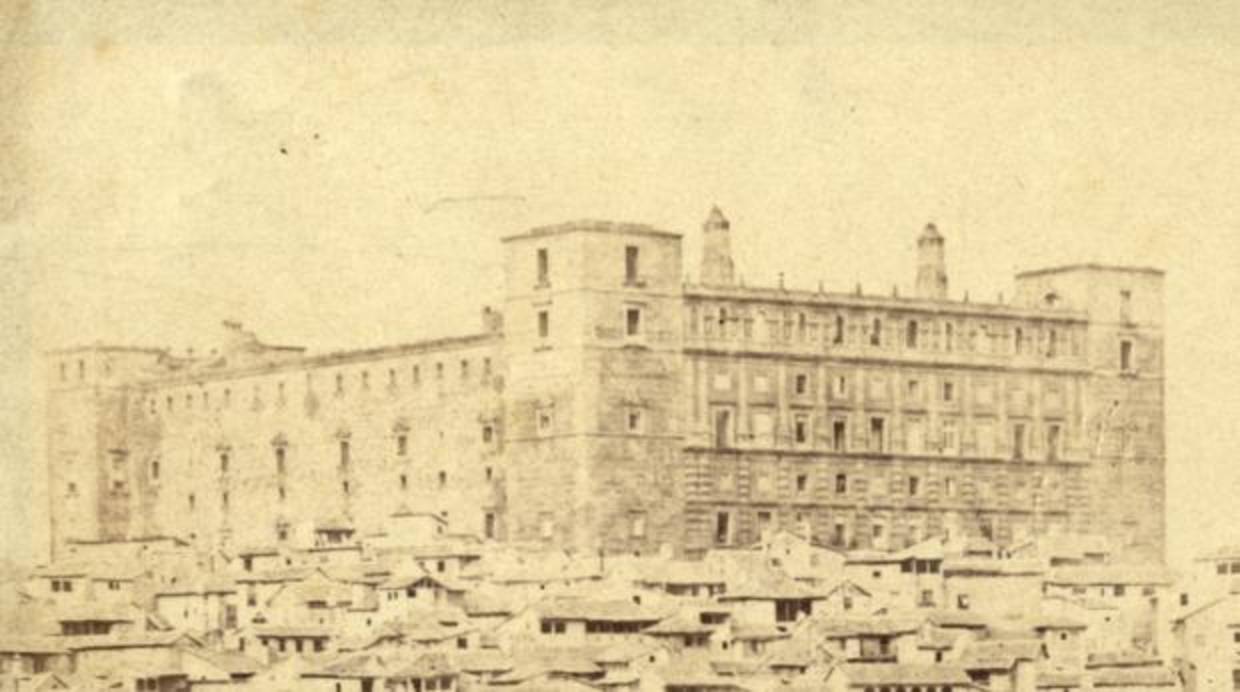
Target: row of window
542	266
945	440
632	322
842	533
878	386
394	378
346	487
911	334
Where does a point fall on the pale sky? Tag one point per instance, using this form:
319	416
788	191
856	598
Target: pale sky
337	174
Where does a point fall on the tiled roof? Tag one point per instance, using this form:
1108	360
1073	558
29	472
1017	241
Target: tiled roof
836	627
1101	575
1152	676
770	585
32	645
610	610
428	665
903	674
1000	654
232	662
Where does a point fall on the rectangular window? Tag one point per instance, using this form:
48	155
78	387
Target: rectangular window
876	332
544	324
488	525
544	421
638	527
280	459
1018	441
723	528
1053	435
630	264
344	453
155	470
402	445
913	485
840	389
723	429
949	391
488	434
838	336
841	483
632	321
801	384
910	340
1125	356
544	267
951	438
839	435
878	437
801	429
634	421
802	483
840	535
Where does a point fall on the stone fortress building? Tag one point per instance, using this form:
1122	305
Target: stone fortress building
612	406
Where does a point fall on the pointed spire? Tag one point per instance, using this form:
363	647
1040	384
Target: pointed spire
717	265
931	264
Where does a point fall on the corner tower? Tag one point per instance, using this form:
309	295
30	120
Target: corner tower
931	265
592	347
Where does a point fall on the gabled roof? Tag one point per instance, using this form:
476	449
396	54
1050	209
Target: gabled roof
596	610
1103	575
354	666
986	566
32	645
684	622
428	665
1151	676
1000	654
836	627
231	662
903	674
769	585
130	640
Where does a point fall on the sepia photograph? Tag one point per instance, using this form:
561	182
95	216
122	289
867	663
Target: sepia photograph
548	346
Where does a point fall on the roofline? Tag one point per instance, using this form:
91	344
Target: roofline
1090	266
329	359
770	294
591	226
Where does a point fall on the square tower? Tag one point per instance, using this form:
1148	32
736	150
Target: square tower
593	351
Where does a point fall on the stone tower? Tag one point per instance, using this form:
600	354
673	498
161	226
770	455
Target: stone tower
931	265
592	343
717	266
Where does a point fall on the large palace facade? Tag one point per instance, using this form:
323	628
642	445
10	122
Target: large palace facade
609	405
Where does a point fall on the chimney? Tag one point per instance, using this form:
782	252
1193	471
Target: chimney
717	266
931	265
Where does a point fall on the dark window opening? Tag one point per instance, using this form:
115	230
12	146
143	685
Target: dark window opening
544	324
630	263
723	531
632	321
544	266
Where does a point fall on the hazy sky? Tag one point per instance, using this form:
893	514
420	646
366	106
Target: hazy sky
337	174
